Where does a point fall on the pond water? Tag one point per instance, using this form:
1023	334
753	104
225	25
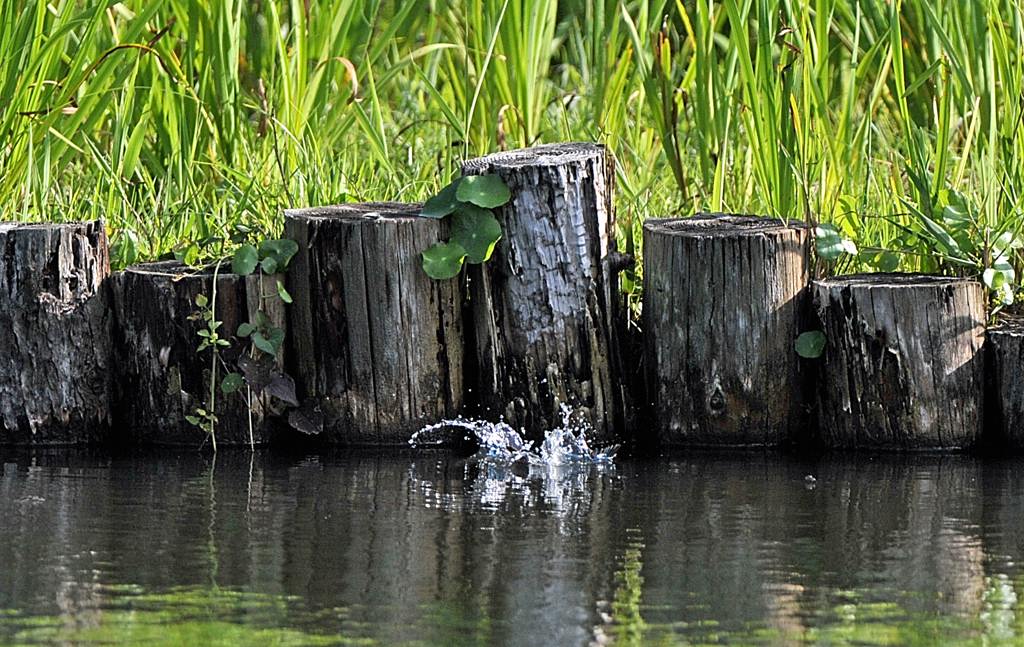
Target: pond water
428	548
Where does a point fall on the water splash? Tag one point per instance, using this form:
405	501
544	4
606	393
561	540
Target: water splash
563	445
560	475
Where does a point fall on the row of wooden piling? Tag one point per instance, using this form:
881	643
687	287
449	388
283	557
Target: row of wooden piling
725	298
376	349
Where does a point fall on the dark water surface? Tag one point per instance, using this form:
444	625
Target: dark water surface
431	549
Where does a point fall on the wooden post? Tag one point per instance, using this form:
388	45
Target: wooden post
903	367
55	326
545	311
1004	344
723	303
375	340
162	376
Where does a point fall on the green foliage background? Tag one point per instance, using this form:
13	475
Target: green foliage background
896	120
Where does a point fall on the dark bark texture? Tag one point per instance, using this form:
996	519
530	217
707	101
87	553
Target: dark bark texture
55	333
1004	345
162	376
544	312
903	366
375	340
723	303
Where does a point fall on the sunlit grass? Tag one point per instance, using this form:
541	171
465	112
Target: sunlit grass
898	121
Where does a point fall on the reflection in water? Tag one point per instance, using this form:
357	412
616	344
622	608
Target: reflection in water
433	549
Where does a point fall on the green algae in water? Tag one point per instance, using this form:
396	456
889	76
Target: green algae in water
193	616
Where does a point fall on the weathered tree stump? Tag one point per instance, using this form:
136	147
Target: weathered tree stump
375	340
545	310
55	333
723	303
903	365
162	376
1004	345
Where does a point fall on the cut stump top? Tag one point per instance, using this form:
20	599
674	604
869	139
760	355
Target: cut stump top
32	226
893	280
546	155
1012	325
175	270
359	212
705	225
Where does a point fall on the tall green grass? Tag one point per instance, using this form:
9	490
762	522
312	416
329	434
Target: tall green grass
897	121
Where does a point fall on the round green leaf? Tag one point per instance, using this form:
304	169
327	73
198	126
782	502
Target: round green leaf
830	244
810	344
443	203
245	260
443	260
281	251
231	383
263	343
1005	294
269	265
487	191
477	231
245	329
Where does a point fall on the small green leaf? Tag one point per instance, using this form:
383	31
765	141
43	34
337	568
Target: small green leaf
477	231
191	256
192	420
1005	294
269	265
831	244
992	278
1006	241
276	337
283	293
443	260
231	383
810	345
261	342
269	343
487	191
281	250
246	329
443	203
201	300
243	263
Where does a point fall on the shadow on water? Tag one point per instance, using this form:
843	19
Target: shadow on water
426	547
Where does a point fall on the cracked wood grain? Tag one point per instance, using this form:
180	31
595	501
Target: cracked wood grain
544	314
55	333
376	341
903	364
161	376
1004	347
723	303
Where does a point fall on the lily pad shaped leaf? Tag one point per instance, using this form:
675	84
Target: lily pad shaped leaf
244	261
810	345
477	231
487	191
281	251
443	203
830	244
443	260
